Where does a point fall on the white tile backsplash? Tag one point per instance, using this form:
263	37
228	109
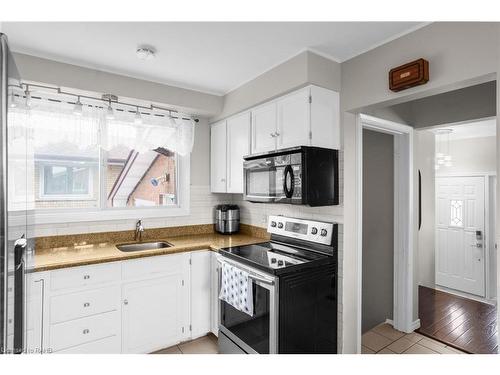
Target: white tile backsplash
201	212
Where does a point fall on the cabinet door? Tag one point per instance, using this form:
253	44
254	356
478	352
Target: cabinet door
264	128
238	145
152	314
294	119
200	293
218	157
325	122
215	294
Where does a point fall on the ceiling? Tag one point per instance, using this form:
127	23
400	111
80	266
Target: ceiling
213	57
476	129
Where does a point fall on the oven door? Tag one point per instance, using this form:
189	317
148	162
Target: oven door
274	179
257	334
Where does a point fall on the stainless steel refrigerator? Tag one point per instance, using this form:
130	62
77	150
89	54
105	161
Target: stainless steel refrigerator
16	205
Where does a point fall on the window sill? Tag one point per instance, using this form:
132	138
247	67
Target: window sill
108	215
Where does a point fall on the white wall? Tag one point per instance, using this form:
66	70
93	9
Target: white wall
424	161
471	155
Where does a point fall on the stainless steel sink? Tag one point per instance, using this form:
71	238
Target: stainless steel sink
142	246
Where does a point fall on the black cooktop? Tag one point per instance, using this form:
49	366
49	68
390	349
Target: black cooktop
274	258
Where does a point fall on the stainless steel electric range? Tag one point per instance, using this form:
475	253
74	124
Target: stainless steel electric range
294	282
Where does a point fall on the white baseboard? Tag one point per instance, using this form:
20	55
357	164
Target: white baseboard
415	325
390	321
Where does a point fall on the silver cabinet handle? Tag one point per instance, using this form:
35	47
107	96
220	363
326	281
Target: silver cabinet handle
276	134
86	331
273	135
86	277
125	302
86	304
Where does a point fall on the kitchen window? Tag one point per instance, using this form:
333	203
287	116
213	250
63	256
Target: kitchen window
66	182
93	166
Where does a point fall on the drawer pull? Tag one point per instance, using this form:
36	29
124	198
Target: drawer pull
86	277
125	302
86	331
86	304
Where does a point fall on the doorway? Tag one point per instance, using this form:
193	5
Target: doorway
456	240
385	228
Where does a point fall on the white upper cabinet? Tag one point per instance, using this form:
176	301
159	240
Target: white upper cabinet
294	113
325	118
218	157
306	117
238	145
264	130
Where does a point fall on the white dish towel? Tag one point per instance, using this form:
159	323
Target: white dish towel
236	288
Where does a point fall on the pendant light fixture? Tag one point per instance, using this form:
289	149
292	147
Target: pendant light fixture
12	100
138	117
443	156
27	96
78	108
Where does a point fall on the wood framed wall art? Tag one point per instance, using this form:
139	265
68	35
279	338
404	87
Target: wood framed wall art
409	75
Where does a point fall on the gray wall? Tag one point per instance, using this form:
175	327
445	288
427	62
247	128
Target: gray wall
469	103
200	157
59	74
301	70
378	228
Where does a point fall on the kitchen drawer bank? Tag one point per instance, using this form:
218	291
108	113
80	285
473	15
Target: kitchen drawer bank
130	306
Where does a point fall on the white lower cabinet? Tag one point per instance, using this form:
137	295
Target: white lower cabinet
152	314
200	293
149	304
214	295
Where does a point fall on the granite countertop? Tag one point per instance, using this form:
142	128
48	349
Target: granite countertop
85	254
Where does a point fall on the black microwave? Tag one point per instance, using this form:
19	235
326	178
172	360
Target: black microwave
302	175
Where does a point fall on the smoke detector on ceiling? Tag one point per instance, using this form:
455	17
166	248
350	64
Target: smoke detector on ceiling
145	52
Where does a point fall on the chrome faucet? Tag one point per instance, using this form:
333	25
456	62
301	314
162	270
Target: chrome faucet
139	228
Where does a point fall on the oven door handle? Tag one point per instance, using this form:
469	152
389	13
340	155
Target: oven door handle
262	280
250	274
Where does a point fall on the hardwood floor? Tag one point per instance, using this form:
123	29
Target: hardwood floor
462	323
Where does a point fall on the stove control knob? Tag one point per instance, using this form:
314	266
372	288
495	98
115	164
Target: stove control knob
280	263
323	232
280	225
273	224
273	260
314	230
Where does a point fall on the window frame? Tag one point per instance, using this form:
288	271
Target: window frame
64	197
104	213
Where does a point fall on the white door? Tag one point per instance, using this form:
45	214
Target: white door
200	292
294	119
152	314
264	128
238	145
218	157
460	260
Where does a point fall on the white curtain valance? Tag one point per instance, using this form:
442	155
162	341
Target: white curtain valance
56	129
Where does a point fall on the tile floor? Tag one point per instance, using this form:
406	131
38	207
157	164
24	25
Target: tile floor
383	339
203	345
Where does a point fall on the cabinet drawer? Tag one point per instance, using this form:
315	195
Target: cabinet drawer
165	264
83	276
108	345
78	305
81	331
